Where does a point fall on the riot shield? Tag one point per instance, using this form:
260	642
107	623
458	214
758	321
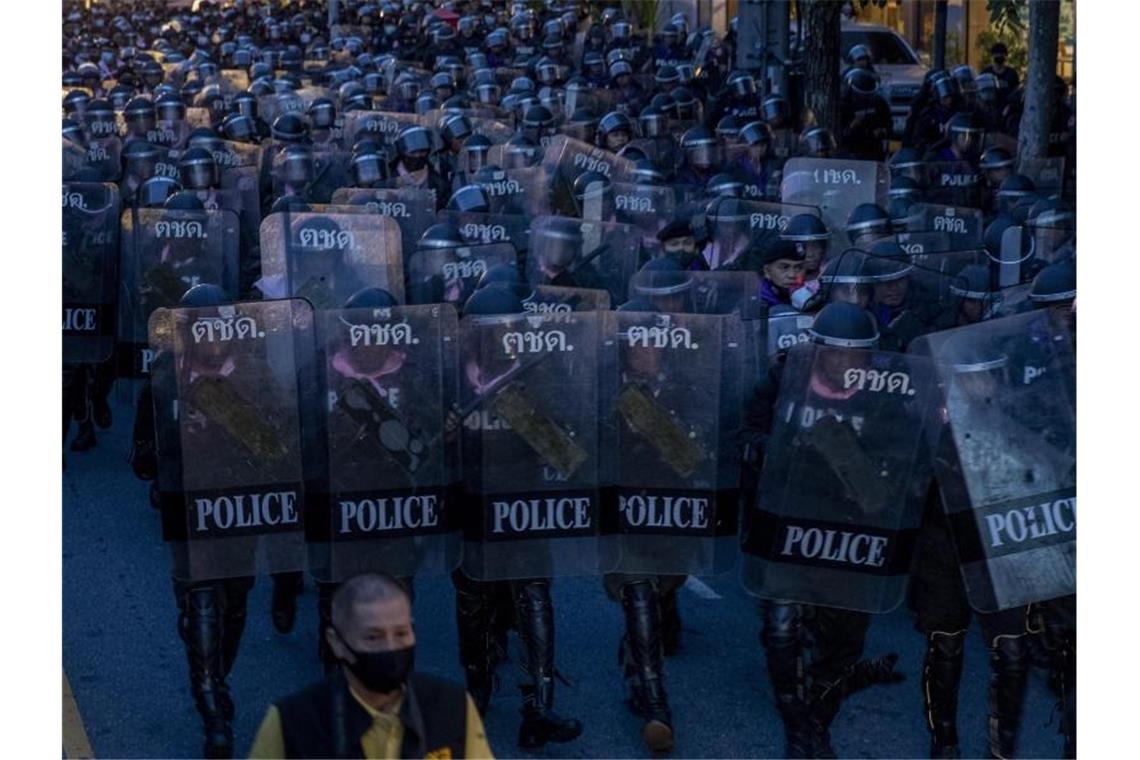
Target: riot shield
529	405
954	183
963	226
450	275
721	292
479	228
410	207
577	254
1006	457
1025	251
231	386
672	413
648	207
104	155
835	186
1048	174
389	502
330	172
840	496
325	258
918	244
522	191
269	107
734	226
382	126
164	254
552	299
566	159
786	328
90	270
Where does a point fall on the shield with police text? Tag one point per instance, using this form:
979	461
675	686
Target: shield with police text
381	126
955	183
165	252
1005	457
785	329
647	207
963	226
326	258
451	275
529	411
388	503
573	253
735	228
410	207
553	299
233	393
1048	174
482	229
521	191
90	270
671	414
835	186
721	293
566	159
839	501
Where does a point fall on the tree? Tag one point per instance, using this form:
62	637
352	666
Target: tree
1037	113
821	61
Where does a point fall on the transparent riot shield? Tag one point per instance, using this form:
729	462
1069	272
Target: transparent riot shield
733	226
840	496
269	107
410	207
577	254
382	126
1025	251
482	123
390	498
164	253
529	405
104	156
552	299
90	270
522	191
954	183
325	258
920	243
479	228
330	172
1005	458
835	186
721	293
566	159
672	409
786	328
231	388
963	226
451	275
648	207
1048	174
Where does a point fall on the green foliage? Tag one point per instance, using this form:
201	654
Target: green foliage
1016	41
1009	15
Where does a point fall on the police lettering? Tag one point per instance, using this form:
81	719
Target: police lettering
79	320
1033	522
383	514
682	512
842	547
245	511
537	515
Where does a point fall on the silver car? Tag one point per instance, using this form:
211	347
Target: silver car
899	68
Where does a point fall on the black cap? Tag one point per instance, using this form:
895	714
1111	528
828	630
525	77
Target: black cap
677	228
779	249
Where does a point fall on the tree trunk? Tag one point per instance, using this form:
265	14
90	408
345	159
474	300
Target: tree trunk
938	54
1037	115
821	61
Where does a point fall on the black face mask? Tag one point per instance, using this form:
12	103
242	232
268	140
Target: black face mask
381	672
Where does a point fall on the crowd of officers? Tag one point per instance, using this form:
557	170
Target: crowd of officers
262	110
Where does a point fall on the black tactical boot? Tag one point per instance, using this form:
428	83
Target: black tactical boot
781	640
286	588
827	697
200	626
941	674
1008	673
233	626
101	411
540	723
641	658
479	644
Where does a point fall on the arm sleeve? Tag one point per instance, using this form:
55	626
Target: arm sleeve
476	745
270	742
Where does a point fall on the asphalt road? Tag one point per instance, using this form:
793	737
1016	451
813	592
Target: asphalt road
127	669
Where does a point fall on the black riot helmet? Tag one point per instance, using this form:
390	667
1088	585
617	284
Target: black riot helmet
290	128
505	275
859	55
685	103
646	172
73	132
775	110
804	228
664	102
239	128
1013	188
867	219
1055	284
297	164
844	325
906	161
469	198
991	237
996	158
664	283
653	122
742	84
154	191
965	133
724	185
904	188
440	236
490	302
75	101
413	141
700	147
197	169
538	121
371	298
520	151
455	129
817	142
184	201
322	113
1052	213
666	77
945	87
476	149
202	295
427	102
368	168
140	158
756	133
594	188
140	115
728	128
614	130
861	82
